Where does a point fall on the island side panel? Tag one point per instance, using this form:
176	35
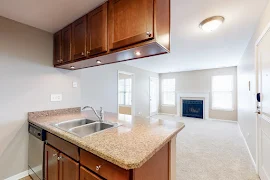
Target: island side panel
172	159
158	167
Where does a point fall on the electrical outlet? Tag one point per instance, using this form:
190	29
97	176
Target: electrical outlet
56	97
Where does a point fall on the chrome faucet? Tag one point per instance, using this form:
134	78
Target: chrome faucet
100	116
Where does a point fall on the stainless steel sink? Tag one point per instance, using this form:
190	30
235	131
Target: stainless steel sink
84	127
91	128
67	125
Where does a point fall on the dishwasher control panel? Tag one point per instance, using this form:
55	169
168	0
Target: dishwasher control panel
37	132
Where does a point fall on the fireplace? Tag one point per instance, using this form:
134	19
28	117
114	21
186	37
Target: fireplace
192	108
202	97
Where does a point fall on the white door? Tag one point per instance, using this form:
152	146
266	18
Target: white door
154	102
263	57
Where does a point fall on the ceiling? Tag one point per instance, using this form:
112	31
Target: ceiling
48	15
191	48
194	49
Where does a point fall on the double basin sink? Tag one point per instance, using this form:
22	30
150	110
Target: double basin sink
84	127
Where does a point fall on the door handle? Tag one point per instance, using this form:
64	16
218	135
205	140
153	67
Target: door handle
259	97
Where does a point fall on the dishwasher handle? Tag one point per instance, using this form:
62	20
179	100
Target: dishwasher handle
37	132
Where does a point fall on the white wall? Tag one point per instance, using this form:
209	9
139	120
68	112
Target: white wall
99	87
27	78
246	98
200	82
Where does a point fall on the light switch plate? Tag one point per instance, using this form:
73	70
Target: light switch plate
74	84
56	97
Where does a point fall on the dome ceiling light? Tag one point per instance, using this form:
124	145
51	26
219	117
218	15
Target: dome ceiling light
212	23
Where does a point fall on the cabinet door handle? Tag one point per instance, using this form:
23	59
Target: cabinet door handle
98	167
148	33
59	158
82	53
54	155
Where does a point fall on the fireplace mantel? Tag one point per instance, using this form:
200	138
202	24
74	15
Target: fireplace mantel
199	96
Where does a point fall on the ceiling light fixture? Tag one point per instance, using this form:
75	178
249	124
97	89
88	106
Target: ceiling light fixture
138	53
72	67
98	62
212	23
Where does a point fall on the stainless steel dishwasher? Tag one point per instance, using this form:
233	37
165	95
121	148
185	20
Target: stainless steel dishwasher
37	137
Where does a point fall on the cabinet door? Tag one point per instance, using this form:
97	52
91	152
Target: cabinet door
130	22
97	41
66	44
57	47
51	163
79	32
87	175
68	168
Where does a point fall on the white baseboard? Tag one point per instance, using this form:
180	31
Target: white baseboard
233	121
166	114
251	157
18	176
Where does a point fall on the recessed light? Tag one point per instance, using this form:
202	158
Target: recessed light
212	23
98	62
138	53
72	67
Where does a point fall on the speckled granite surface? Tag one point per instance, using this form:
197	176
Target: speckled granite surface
128	146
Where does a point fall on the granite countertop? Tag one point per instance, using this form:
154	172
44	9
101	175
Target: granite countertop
128	146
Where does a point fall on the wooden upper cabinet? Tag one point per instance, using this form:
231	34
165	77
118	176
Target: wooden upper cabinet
66	43
68	168
130	22
79	33
97	40
115	32
57	41
51	163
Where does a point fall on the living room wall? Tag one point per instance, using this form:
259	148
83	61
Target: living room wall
200	82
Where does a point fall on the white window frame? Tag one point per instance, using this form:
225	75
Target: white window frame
125	92
212	92
162	93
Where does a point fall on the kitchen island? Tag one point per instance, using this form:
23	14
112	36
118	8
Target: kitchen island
140	149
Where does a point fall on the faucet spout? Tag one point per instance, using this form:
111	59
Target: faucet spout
100	116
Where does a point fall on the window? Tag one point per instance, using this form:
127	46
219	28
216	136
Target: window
124	91
222	95
168	92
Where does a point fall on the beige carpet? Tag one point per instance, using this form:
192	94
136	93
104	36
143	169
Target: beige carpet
211	150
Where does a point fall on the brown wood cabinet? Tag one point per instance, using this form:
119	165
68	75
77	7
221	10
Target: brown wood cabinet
119	30
59	166
66	147
130	22
97	40
66	44
88	175
79	32
68	168
57	41
102	167
51	163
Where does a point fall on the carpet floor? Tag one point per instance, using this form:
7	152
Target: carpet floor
211	150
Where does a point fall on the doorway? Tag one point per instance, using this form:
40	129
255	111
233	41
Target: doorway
154	96
125	93
263	105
